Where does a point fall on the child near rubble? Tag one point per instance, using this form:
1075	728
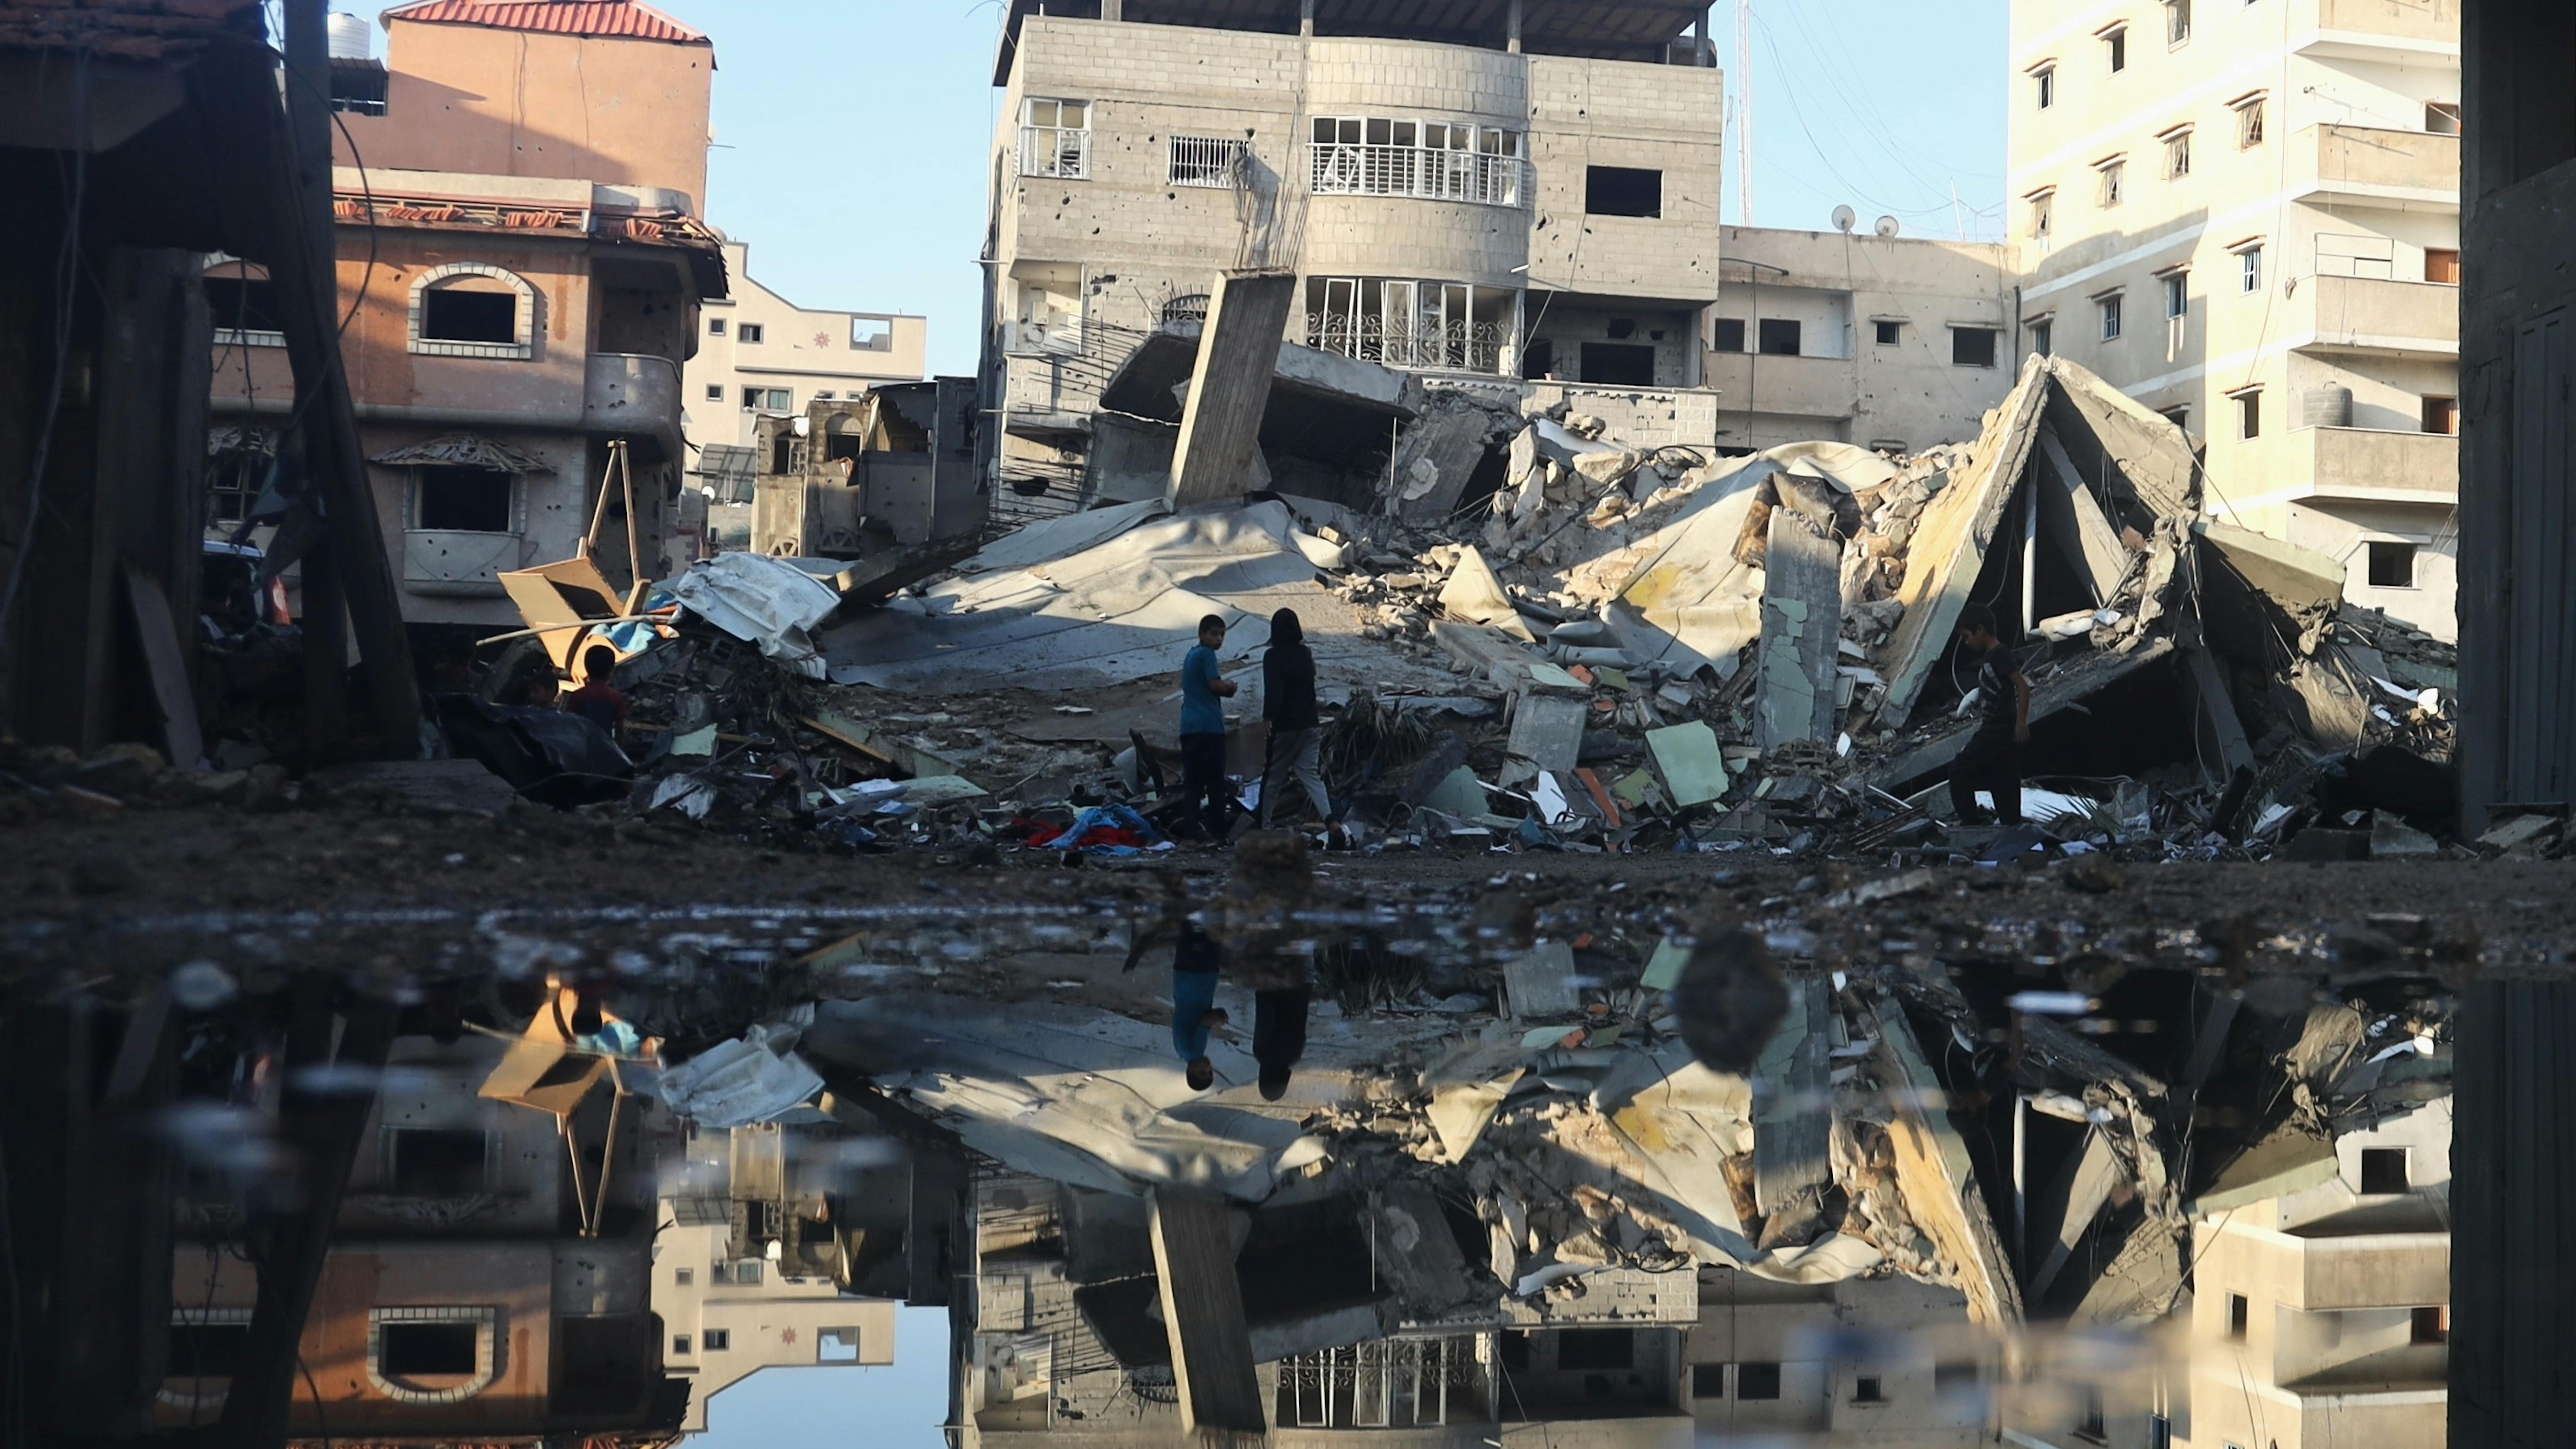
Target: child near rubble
1296	731
1207	806
1194	1010
598	701
1992	760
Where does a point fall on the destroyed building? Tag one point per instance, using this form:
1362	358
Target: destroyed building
760	356
2251	222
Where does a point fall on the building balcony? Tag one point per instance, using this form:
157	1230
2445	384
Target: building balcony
2377	167
451	563
1485	178
2373	29
2357	465
634	395
2373	317
2358	1270
1808	387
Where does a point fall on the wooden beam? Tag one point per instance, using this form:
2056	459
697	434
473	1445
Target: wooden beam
1203	1316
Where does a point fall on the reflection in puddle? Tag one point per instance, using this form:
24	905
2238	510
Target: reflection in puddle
1486	1167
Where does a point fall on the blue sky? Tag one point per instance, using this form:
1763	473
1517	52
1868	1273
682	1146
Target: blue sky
896	1406
851	135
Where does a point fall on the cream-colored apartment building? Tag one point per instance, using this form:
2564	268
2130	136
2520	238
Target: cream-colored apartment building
760	355
1888	342
2246	214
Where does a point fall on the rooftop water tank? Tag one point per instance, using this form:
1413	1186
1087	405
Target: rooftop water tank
350	37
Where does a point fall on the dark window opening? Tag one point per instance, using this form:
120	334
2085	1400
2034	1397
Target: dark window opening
2430	1324
452	314
1757	1381
2239	1314
1620	329
425	1350
2043	336
357	86
1867	1389
718	1340
465	500
2249	414
2117	45
243	304
1619	364
1730	334
1708	1381
2180	417
1538	359
2441	415
1889	333
206	1350
430	1162
751	332
2094	1425
715	326
1596	1348
2442	118
1972	346
1623	191
2383	1169
680	1344
1780	336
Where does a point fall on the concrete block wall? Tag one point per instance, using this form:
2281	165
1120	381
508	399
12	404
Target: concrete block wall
1587	113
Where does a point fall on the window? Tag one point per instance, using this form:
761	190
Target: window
747	1271
1779	336
2383	1169
2115	48
2044	83
1618	364
1596	1349
1757	1381
458	316
1708	1380
717	1340
2249	268
2043	336
1972	346
769	399
2043	213
2430	1324
1055	139
2109	305
836	1345
684	1276
1623	191
206	1349
423	1350
680	1345
2177	21
245	310
1215	162
422	1162
2249	122
1889	333
2239	1313
2442	265
467	309
456	500
715	392
2249	413
431	1355
2177	153
2177	285
2114	175
1730	334
2442	118
2090	1423
1443	160
751	332
872	334
1415	323
358	85
1867	1389
2180	417
715	326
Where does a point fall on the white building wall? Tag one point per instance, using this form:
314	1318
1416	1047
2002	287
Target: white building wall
808	351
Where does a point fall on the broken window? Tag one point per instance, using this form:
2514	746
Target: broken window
1216	162
426	1350
1442	326
2430	1324
2249	268
2249	122
448	498
1730	334
1868	1389
872	334
2180	417
750	332
1780	336
2177	153
2442	415
2114	175
2044	84
2442	266
1055	139
2249	413
1623	191
1708	1381
2043	213
2442	118
1619	364
2392	566
1889	333
1757	1381
2239	1315
1595	1348
2177	21
836	1345
245	310
2109	306
455	314
1445	160
2115	48
717	1340
1972	346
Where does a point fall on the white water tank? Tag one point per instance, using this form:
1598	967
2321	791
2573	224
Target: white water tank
350	37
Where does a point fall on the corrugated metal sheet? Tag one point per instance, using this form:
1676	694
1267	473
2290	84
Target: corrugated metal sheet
620	18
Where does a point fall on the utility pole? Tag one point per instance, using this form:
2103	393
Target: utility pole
1744	112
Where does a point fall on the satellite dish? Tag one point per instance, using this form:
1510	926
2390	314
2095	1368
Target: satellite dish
1886	227
1844	216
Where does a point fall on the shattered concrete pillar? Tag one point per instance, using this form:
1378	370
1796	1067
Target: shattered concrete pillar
2073	1201
2076	523
1203	1316
1247	318
1792	1102
1802	617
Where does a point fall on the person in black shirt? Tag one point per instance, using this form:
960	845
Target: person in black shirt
1296	731
1992	760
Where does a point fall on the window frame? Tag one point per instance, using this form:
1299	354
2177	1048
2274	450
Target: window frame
1065	160
885	344
416	484
715	327
1887	331
2250	118
2249	266
2115	47
2111	185
222	268
2044	84
2174	284
2414	554
1994	344
751	334
487	1352
2177	24
2043	213
2177	144
2112	312
2249	412
2043	334
524	324
1228	159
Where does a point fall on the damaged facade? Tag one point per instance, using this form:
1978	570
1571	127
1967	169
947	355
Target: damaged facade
2251	223
761	356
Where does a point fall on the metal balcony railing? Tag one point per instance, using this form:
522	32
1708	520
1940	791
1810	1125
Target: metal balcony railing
1450	347
1478	176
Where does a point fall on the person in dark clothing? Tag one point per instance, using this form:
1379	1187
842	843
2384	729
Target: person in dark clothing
1296	730
1992	760
598	701
1194	1010
1278	1036
1207	805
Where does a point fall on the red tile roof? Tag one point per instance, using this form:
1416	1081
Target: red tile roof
621	18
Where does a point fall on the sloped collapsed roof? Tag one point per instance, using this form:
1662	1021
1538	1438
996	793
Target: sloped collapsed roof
622	19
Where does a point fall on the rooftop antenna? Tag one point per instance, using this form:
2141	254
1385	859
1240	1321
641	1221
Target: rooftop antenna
1744	112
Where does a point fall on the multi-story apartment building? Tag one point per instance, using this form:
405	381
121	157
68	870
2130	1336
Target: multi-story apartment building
1498	193
2247	216
760	355
1873	339
521	267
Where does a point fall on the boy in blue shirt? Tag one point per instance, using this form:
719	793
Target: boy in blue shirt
1206	804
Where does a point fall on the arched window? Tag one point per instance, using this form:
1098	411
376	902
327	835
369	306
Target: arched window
467	309
432	1355
243	302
